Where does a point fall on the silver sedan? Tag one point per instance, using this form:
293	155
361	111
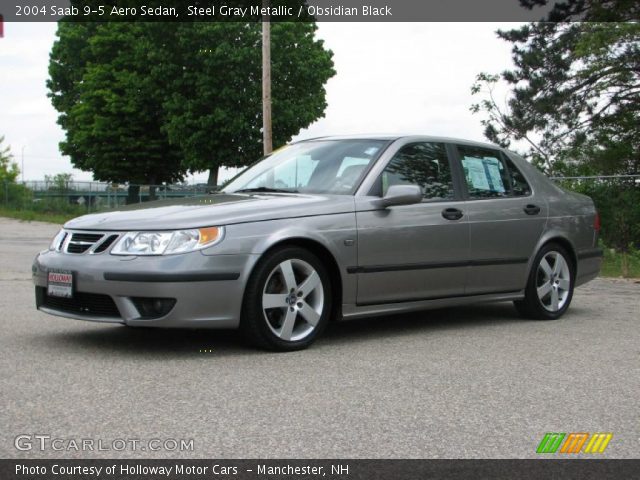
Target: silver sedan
330	228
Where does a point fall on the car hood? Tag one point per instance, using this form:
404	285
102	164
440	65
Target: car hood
213	209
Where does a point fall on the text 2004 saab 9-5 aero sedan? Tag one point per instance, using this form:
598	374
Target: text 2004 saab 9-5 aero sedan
330	228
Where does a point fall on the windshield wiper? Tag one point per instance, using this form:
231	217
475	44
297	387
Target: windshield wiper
265	190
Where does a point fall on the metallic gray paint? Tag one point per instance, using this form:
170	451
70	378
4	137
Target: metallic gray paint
394	259
229	209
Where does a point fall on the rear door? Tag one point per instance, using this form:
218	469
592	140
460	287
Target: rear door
506	219
413	252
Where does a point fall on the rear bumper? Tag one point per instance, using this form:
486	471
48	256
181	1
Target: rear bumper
589	265
207	290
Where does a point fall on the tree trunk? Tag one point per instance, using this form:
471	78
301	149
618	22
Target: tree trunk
625	264
213	177
133	194
152	188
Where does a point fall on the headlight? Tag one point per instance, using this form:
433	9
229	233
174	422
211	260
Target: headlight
167	243
56	243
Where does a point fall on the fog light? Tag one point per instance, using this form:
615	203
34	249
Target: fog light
150	308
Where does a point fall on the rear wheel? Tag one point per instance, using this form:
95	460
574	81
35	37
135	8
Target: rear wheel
550	285
287	302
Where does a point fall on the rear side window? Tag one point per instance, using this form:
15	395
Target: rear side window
519	184
425	164
489	174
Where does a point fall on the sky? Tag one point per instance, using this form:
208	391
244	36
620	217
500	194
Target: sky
391	78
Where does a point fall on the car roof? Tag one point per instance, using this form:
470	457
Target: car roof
393	137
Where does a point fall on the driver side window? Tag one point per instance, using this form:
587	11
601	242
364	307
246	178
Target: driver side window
425	164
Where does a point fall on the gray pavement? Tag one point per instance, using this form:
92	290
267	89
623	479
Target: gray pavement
474	382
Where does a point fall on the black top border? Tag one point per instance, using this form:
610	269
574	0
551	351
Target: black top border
318	10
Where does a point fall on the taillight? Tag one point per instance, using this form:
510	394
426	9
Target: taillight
596	222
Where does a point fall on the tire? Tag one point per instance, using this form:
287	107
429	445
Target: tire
278	312
549	288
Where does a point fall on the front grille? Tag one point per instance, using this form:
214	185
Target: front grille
86	237
81	242
93	304
105	244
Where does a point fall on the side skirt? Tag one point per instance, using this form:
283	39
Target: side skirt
353	311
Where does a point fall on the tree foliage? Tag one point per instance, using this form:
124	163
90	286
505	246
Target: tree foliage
145	102
110	105
619	207
8	169
214	112
574	96
60	182
574	99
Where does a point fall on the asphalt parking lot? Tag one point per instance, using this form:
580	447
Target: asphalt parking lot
476	382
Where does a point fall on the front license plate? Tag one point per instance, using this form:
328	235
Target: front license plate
60	283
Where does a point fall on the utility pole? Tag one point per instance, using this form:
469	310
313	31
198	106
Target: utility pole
22	170
266	82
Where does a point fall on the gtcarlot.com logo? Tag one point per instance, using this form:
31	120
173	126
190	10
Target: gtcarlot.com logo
28	442
574	442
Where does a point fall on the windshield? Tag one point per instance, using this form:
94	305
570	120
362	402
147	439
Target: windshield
324	166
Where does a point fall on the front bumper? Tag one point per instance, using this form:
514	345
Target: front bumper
207	290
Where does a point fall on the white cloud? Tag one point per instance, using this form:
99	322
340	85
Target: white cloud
391	77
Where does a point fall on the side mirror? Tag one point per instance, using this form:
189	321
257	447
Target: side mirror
400	195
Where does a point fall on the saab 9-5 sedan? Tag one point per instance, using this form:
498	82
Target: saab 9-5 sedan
330	228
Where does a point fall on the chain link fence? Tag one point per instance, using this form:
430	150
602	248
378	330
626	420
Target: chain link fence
87	197
573	183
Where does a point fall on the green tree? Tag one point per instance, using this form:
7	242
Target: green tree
619	207
60	182
144	102
110	104
214	111
8	169
574	95
574	99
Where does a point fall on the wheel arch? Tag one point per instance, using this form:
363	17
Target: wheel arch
562	240
324	254
568	246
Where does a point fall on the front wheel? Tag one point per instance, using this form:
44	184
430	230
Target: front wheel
550	286
287	301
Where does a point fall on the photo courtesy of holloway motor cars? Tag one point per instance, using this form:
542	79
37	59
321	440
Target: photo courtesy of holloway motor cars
330	228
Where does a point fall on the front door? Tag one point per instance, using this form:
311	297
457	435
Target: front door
413	252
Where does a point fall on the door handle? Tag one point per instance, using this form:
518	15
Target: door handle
532	209
452	214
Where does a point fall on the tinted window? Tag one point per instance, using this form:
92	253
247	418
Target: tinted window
519	184
485	172
424	164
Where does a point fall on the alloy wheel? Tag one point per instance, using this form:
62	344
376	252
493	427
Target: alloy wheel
293	300
553	281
